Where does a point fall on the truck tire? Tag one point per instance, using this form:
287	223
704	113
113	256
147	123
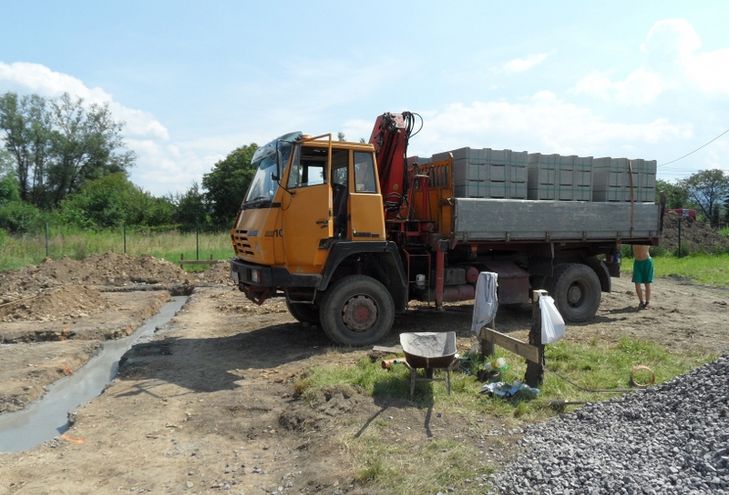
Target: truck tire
576	291
357	310
305	313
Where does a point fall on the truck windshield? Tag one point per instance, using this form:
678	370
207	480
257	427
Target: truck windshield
264	186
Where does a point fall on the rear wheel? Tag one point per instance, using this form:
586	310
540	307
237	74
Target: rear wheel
357	310
305	313
576	291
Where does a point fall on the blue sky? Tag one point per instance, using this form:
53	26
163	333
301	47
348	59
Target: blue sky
195	80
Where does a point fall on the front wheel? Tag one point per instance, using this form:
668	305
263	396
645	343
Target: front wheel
357	310
305	313
576	291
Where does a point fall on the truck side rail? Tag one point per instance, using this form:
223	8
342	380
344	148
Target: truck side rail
527	220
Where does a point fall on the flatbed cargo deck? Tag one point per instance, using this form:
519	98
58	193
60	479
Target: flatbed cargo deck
510	220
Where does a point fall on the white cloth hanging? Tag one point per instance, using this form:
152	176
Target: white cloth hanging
486	302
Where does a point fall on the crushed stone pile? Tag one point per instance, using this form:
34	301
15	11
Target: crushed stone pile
695	235
61	303
673	438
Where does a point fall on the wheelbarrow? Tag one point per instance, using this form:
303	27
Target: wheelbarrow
429	351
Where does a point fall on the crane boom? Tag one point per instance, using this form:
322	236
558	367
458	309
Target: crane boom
390	137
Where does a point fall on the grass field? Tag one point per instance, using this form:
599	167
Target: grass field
19	251
385	465
702	268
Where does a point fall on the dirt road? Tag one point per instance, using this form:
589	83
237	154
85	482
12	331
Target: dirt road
209	405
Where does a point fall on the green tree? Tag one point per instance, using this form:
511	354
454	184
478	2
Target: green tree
676	194
227	183
191	211
58	144
708	189
86	144
25	124
19	217
113	200
9	188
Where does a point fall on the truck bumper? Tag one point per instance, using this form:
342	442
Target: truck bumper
260	278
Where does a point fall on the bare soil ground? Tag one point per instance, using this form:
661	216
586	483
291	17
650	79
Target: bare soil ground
209	405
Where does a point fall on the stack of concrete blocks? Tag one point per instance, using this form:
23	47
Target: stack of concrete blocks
559	178
611	179
488	173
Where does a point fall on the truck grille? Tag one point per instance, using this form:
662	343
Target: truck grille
241	243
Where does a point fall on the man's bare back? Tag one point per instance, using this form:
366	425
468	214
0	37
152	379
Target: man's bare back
641	252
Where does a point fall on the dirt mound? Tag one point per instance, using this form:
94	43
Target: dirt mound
102	269
66	302
695	236
217	274
309	413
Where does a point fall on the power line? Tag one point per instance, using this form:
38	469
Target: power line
694	151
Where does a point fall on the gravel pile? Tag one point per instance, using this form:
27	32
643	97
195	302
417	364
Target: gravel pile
673	438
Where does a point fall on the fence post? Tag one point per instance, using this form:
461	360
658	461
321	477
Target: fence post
535	371
47	236
197	242
680	220
124	234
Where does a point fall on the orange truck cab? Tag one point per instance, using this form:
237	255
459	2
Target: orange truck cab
312	228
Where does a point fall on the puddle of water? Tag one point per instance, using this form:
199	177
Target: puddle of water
47	418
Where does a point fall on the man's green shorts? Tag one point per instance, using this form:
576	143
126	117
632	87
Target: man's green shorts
643	271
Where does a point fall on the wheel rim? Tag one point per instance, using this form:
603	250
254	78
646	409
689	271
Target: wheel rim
575	295
359	313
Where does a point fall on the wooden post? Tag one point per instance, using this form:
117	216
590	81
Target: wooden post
441	248
47	237
535	371
487	345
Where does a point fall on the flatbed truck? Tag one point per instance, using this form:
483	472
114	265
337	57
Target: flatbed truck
349	233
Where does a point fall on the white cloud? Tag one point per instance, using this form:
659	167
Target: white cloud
541	123
675	47
640	87
161	166
706	70
525	63
673	36
39	79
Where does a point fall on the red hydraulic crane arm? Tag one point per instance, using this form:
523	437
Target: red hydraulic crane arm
390	137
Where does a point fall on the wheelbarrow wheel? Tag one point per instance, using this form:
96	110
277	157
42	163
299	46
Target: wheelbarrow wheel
356	310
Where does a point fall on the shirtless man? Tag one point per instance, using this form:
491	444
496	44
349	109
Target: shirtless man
642	274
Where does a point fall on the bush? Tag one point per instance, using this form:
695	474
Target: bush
19	217
112	201
9	190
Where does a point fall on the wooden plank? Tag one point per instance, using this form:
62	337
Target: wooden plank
529	352
197	262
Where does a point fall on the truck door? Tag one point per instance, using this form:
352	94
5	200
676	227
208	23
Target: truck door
307	210
367	216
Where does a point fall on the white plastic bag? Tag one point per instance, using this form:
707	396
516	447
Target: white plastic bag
552	321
